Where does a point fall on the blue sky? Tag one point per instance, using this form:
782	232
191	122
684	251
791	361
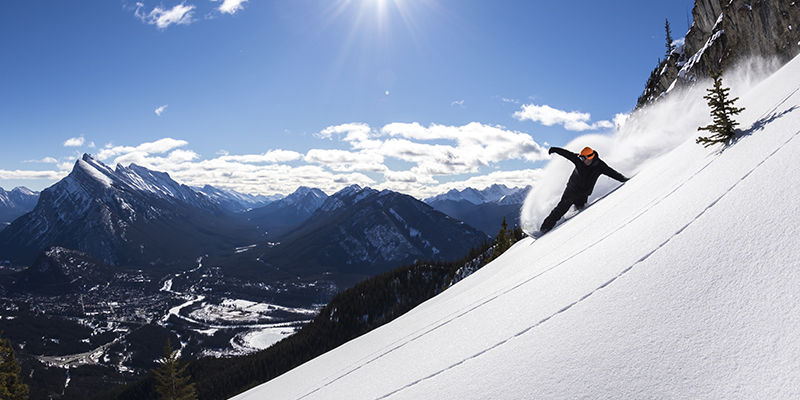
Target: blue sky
263	96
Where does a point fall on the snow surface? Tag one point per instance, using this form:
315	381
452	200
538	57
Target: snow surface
684	283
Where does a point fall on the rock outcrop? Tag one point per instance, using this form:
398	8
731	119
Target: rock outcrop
724	33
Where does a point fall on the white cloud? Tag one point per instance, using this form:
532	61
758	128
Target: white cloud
471	148
489	144
548	116
181	14
74	142
356	129
230	6
48	175
459	104
160	110
143	150
272	156
46	160
343	160
179	156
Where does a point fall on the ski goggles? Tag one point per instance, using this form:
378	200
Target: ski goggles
584	158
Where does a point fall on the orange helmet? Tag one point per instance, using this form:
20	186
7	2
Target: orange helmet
587	153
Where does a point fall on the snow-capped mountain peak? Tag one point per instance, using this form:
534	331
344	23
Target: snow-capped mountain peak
105	213
490	194
346	197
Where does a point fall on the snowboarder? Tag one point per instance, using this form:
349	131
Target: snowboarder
588	167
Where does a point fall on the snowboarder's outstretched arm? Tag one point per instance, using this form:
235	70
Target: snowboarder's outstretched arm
610	172
566	154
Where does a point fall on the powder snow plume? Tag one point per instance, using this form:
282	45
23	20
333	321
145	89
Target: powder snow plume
643	136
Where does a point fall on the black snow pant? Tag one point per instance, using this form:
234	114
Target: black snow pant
567	199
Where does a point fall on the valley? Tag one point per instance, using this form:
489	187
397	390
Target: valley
123	324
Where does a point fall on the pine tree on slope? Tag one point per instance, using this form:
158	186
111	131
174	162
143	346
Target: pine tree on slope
11	387
503	241
670	46
173	384
722	111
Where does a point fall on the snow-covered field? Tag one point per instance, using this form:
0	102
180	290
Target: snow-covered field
265	324
684	283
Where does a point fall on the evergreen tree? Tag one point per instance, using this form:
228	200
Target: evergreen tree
722	111
173	384
503	241
11	386
670	46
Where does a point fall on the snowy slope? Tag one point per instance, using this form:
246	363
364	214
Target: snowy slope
684	283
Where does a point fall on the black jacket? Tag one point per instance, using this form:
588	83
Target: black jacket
584	177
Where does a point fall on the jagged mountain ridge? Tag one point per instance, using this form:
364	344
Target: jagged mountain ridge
359	232
130	215
724	33
497	193
234	201
277	217
16	203
484	209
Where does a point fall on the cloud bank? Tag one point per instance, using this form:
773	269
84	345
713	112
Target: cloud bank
548	116
406	157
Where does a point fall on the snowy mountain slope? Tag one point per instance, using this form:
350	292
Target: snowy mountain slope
683	283
494	193
279	216
15	203
123	216
361	232
484	209
232	200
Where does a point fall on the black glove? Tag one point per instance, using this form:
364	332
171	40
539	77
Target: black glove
550	151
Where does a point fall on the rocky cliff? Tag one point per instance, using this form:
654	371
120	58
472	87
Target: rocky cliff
724	33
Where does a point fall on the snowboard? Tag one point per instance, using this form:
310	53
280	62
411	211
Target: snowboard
571	214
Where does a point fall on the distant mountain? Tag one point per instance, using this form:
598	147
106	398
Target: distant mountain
277	217
232	200
483	209
16	203
59	271
491	194
360	232
127	216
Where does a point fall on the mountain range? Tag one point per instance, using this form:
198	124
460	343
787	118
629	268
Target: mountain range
16	203
138	218
125	216
483	209
278	216
234	201
360	232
